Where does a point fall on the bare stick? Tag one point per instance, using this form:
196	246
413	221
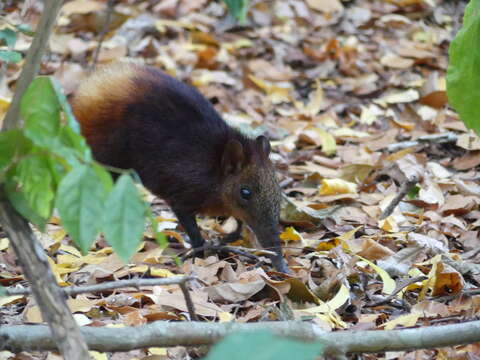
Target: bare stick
112	285
103	33
162	334
436	138
188	301
404	189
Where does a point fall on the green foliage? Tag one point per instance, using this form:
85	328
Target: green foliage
262	345
124	216
463	74
8	38
48	163
80	203
10	56
238	8
413	193
3	292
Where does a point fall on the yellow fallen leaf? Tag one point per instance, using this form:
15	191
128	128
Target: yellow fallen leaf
340	298
328	244
389	284
161	25
157	272
98	356
10	299
139	269
430	282
315	102
403	320
337	186
277	94
398	97
389	224
70	249
4	243
370	114
157	351
240	43
348	132
225	316
290	234
329	144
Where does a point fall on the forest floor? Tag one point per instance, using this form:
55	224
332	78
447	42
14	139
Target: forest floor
341	89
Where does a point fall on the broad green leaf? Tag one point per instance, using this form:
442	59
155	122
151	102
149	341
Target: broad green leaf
80	202
10	56
238	8
124	219
262	345
8	37
20	203
160	237
12	144
463	73
35	180
40	109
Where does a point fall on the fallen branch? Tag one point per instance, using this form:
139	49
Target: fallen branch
162	334
435	139
111	285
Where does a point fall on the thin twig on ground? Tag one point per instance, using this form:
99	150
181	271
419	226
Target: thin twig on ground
135	283
436	139
403	191
229	249
399	288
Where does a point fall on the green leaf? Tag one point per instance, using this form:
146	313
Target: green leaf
413	192
12	144
35	180
73	145
72	122
238	9
20	203
80	202
463	73
8	37
262	345
25	29
10	56
3	292
40	109
124	220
